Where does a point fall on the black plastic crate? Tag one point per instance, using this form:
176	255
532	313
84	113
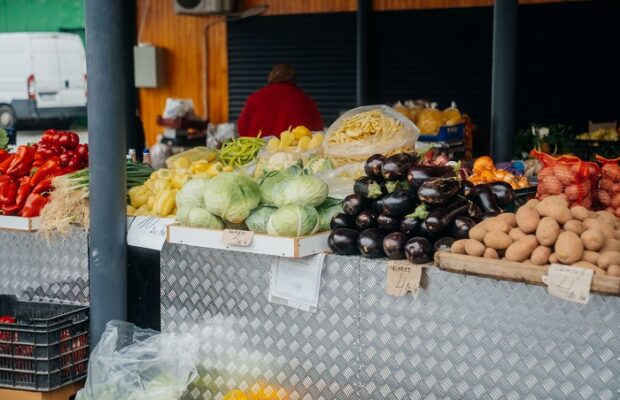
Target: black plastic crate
47	346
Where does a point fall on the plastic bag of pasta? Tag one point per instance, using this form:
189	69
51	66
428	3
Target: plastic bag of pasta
364	131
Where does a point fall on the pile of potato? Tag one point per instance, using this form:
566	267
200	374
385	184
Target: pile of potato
547	231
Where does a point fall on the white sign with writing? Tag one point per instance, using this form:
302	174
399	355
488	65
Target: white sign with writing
148	232
569	283
237	237
402	278
295	282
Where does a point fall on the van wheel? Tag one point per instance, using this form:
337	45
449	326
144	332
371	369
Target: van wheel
7	116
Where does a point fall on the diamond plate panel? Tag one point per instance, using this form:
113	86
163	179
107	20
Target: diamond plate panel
463	338
34	268
474	338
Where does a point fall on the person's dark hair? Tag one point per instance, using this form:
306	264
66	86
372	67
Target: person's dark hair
282	73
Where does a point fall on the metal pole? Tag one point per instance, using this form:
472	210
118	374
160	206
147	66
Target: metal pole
504	77
364	9
107	36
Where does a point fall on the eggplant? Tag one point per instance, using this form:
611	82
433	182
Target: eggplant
418	250
372	167
392	186
394	245
443	244
474	212
368	188
440	218
395	167
366	219
370	242
354	204
484	198
377	205
467	189
388	223
410	226
342	220
343	241
438	191
503	192
418	174
461	227
399	203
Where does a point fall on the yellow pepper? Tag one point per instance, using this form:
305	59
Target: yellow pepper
150	183
203	174
228	168
165	202
214	169
161	184
199	166
178	181
142	211
181	162
150	204
138	196
163	173
130	210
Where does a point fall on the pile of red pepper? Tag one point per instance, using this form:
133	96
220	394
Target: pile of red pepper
26	176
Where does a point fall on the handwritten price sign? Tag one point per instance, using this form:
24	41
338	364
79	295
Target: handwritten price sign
569	283
402	278
236	237
148	232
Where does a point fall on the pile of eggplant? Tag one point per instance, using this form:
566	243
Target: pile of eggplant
401	209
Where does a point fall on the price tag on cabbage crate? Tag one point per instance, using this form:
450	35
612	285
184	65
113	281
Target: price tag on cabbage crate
148	232
403	277
569	283
237	237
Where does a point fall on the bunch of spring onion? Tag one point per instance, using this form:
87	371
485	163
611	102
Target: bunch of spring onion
69	201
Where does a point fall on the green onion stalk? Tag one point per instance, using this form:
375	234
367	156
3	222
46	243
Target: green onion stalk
137	174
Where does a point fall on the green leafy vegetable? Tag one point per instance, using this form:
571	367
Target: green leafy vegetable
231	196
293	221
304	190
258	219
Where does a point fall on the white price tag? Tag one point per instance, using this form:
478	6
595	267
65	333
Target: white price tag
237	237
403	277
295	282
148	232
569	283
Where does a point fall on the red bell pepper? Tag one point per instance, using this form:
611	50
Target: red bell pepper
34	204
22	162
51	168
82	150
23	191
49	136
5	154
7	319
8	192
44	186
4	165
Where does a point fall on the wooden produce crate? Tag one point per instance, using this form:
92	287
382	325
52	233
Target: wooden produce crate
294	247
19	223
514	271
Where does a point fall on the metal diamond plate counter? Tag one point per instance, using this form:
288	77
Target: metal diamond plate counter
34	268
462	338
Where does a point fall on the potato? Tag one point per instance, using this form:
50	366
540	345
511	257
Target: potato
522	249
613	270
532	203
516	234
496	224
610	245
553	259
585	264
509	218
593	239
540	255
609	258
590	256
569	248
574	226
580	213
458	247
555	207
547	231
527	219
608	217
478	232
617	234
474	248
601	225
490	253
497	240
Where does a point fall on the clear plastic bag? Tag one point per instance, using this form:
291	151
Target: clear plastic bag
340	180
348	145
130	363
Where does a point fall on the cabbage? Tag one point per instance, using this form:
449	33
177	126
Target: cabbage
293	221
231	196
304	190
272	179
326	211
198	217
257	221
192	193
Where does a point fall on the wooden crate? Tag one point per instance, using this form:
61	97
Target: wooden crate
64	393
514	271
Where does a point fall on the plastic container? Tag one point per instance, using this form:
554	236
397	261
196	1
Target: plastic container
46	348
447	133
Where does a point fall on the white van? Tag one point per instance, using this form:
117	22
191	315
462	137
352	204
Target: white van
42	77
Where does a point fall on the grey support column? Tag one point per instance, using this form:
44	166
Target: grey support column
504	78
109	73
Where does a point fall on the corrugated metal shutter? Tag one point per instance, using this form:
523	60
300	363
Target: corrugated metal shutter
321	47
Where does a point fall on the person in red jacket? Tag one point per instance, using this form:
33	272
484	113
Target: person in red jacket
278	106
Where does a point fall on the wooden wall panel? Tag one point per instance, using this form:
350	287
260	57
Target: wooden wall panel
197	49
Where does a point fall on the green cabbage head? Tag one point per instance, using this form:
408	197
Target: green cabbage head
293	221
231	196
303	190
258	219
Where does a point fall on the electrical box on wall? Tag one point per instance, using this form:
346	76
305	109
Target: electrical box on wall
149	66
